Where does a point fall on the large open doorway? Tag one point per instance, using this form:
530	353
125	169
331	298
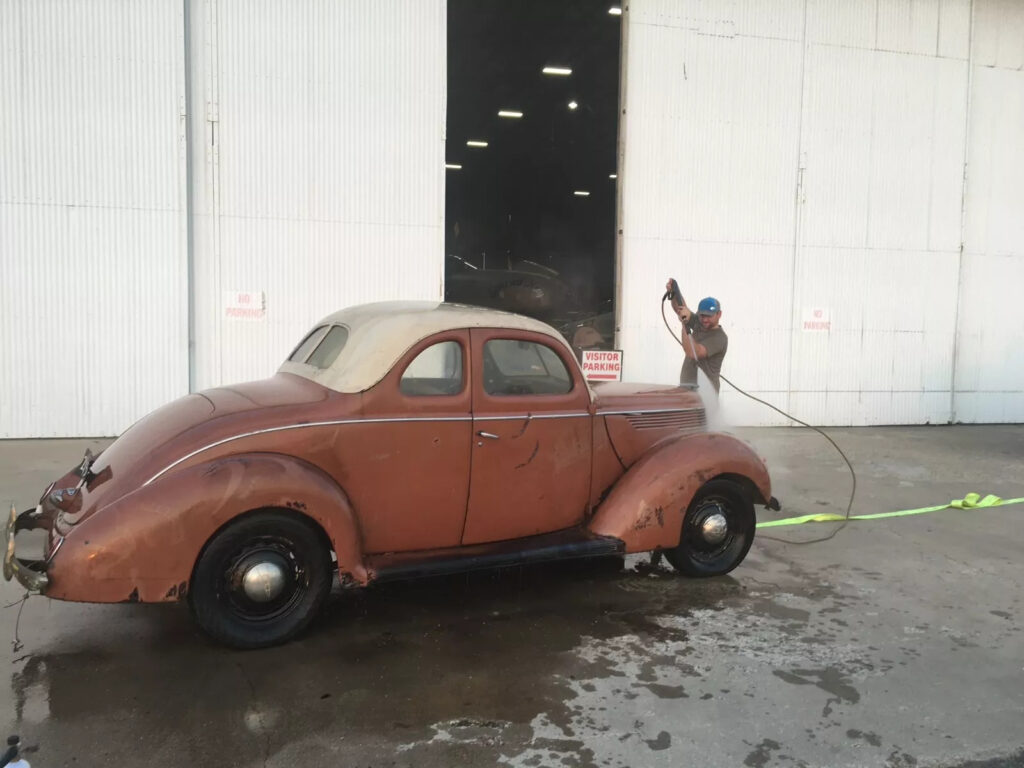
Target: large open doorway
533	95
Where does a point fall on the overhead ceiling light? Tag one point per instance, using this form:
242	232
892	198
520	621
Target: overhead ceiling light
476	143
615	10
509	113
612	176
573	105
581	193
564	71
453	166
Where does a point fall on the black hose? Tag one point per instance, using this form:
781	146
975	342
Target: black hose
853	474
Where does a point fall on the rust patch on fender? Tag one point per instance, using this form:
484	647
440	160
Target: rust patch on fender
649	518
177	591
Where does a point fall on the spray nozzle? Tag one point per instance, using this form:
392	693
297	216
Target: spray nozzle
673	293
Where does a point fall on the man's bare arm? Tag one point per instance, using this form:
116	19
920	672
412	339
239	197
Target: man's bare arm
691	347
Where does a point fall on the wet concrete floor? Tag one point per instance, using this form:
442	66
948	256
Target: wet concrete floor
897	643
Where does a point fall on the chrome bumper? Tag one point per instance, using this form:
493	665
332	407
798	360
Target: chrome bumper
30	574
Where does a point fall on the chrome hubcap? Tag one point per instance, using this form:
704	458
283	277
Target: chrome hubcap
263	581
714	528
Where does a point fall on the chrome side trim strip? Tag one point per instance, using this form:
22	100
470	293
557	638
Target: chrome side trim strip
531	416
286	427
644	412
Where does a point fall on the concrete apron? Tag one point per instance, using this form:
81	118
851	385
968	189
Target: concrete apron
897	643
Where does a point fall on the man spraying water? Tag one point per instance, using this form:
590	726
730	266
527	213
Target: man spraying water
708	341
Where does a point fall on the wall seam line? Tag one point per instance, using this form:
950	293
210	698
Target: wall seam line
963	220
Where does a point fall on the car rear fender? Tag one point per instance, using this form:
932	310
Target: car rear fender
144	546
645	509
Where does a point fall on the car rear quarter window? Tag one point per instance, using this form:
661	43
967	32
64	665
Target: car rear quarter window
437	370
327	351
516	367
308	344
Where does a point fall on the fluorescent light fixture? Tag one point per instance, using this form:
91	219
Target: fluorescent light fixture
476	143
615	10
573	105
563	71
581	193
610	175
509	113
453	166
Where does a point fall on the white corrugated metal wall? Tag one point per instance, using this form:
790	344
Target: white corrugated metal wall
786	156
810	156
310	171
989	366
319	176
92	247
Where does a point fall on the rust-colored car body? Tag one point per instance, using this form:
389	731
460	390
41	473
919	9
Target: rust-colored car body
395	484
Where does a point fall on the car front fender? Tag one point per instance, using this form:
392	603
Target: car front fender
646	506
143	547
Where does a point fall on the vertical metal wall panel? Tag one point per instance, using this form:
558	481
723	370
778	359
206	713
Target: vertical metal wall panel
711	150
870	164
325	184
989	378
879	247
999	34
94	330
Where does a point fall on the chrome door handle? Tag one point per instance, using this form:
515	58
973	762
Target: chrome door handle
481	433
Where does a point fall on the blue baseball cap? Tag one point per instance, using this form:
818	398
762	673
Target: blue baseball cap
709	306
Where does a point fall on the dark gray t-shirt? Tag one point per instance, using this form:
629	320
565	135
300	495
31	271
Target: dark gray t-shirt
716	343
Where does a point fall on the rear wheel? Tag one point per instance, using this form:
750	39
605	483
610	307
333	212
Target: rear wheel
718	530
260	580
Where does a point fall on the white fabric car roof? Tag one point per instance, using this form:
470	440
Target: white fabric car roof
381	333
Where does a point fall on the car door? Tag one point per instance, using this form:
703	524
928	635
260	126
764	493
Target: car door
409	457
531	437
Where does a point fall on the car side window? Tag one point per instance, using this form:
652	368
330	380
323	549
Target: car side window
308	345
327	351
437	370
516	367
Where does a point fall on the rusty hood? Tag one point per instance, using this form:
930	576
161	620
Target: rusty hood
622	396
639	417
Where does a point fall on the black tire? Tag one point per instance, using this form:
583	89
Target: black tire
287	544
695	555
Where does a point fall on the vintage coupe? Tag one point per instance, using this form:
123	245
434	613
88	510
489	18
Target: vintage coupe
399	439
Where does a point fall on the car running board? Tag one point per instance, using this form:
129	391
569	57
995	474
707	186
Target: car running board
572	544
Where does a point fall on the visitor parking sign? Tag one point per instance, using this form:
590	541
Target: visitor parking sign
602	364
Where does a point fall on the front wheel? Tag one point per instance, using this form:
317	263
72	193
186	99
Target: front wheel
260	580
718	530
